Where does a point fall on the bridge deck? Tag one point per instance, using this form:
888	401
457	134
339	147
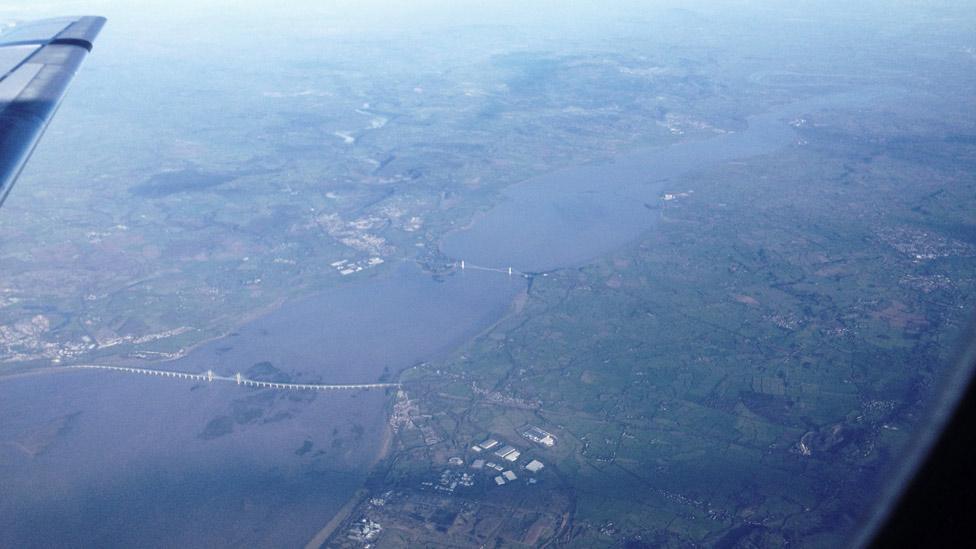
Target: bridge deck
210	376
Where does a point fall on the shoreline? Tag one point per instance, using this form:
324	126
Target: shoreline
386	446
326	532
323	535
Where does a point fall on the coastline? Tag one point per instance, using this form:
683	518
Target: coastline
386	447
323	535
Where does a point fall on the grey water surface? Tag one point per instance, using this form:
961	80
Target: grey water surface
108	459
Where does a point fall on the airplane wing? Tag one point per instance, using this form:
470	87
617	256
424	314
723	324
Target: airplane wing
37	62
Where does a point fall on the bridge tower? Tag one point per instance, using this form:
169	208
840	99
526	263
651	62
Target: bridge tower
210	375
462	264
237	378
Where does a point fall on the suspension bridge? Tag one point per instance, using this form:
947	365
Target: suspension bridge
510	271
209	376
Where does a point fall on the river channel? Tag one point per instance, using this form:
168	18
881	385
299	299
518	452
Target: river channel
107	459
